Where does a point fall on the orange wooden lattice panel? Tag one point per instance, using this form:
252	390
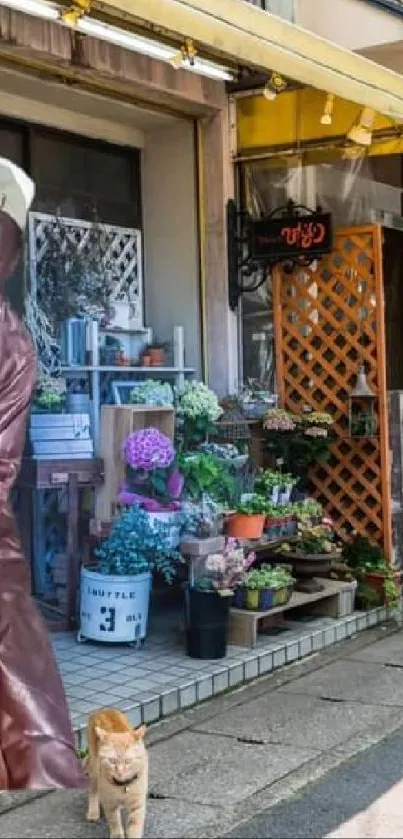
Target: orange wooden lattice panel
327	322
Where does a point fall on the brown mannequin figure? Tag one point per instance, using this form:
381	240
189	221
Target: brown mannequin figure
36	739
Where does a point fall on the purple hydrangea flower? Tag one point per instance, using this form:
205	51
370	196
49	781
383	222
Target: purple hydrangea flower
148	449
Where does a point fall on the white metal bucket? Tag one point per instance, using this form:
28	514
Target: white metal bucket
172	519
114	609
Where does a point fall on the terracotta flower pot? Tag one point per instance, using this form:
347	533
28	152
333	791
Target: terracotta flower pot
376	580
241	526
157	357
146	361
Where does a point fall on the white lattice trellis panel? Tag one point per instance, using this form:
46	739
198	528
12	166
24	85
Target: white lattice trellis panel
121	254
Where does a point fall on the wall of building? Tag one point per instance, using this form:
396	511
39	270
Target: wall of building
353	24
170	236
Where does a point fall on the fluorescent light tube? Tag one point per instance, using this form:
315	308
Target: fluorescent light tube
36	8
120	37
154	49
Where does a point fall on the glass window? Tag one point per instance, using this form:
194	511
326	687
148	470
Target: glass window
83	179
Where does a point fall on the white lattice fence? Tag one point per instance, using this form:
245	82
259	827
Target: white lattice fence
121	257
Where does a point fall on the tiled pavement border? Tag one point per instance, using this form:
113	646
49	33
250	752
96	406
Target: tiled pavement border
259	662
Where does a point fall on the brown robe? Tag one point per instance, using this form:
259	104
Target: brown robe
36	739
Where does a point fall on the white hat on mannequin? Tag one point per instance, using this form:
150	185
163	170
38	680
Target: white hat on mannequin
17	192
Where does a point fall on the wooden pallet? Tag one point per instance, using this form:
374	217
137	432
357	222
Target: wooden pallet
117	422
244	625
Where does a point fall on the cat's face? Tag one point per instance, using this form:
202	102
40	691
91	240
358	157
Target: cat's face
121	755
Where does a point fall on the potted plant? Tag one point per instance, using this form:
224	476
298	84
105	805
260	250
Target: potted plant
208	598
197	411
152	478
367	561
264	588
152	392
311	554
248	520
269	483
115	594
50	394
228	453
156	352
205	475
298	440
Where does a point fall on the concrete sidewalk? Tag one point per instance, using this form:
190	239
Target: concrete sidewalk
215	766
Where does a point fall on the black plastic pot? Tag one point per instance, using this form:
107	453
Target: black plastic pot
206	623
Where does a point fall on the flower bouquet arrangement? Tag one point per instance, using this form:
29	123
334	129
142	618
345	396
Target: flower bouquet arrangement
152	477
223	572
197	411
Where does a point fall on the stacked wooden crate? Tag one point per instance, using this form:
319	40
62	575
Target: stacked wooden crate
60	436
117	422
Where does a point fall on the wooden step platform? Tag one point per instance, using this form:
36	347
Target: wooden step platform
335	601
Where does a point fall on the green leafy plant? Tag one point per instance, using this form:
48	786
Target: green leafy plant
256	505
50	393
136	546
205	474
361	554
268	576
152	393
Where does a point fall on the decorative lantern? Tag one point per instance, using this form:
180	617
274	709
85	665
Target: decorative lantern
362	416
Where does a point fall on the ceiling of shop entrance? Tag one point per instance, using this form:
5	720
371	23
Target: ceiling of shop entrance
93	107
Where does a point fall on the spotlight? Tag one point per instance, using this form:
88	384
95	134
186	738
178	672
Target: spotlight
75	12
361	132
186	55
326	118
276	84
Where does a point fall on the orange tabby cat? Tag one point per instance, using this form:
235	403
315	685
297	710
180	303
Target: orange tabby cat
118	770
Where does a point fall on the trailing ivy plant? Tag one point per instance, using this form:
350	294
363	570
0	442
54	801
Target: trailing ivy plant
73	279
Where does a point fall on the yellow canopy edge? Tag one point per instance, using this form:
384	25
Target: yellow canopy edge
239	32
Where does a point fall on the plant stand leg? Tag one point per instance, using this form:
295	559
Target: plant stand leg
72	550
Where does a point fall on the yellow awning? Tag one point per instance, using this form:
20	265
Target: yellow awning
293	120
239	32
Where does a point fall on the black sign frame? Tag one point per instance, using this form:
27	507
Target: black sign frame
275	239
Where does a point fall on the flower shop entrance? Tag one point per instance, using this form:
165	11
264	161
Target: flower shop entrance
328	322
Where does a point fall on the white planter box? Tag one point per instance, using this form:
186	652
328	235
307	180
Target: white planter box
114	609
61	435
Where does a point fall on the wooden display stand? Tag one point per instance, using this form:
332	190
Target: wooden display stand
335	601
37	475
117	422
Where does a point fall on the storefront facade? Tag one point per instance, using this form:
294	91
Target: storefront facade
154	130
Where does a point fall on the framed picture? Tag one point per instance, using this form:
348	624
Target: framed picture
121	391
